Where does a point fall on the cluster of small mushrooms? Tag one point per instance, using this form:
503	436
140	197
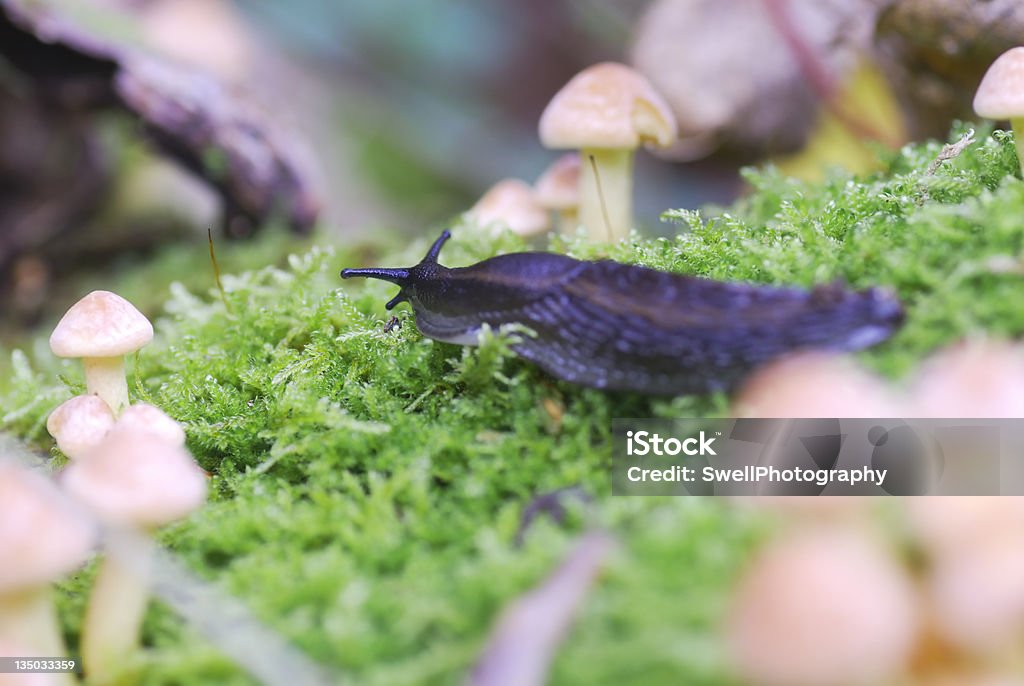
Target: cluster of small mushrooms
837	600
604	113
129	474
609	110
977	378
845	598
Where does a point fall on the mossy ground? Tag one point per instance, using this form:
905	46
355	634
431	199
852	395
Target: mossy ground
367	487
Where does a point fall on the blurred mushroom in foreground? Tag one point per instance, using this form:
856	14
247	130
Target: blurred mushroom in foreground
981	378
606	112
827	607
10	648
977	594
950	525
511	204
815	385
136	482
43	537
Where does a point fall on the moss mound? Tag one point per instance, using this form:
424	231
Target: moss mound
367	487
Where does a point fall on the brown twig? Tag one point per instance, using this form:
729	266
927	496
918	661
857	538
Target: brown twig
950	151
216	272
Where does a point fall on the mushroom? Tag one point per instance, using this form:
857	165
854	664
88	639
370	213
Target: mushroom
815	385
558	189
1001	94
823	608
79	424
135	482
102	328
43	537
978	378
146	417
977	593
606	112
12	649
511	203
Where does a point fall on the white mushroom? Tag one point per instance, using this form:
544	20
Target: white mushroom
823	608
558	189
79	424
981	378
1001	94
43	537
102	328
137	482
606	112
511	203
146	417
807	385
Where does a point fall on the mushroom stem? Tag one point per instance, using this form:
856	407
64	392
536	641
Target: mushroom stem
116	609
105	377
567	221
609	188
1017	124
28	618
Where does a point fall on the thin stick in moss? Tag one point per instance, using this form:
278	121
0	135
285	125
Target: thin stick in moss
216	272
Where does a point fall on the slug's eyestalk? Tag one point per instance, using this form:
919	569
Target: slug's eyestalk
396	276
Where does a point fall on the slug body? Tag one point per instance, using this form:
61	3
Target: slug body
621	327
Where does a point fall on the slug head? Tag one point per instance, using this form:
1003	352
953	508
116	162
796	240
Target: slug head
409	278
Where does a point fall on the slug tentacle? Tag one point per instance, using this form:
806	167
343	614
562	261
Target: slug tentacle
616	326
435	249
398	276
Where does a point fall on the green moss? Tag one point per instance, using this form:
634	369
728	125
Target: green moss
367	486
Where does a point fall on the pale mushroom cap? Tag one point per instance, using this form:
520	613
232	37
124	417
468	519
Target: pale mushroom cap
102	324
823	608
145	417
511	203
974	379
42	535
133	479
815	385
1001	92
978	595
951	525
558	188
607	105
79	424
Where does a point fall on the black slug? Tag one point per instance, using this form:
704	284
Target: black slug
620	327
